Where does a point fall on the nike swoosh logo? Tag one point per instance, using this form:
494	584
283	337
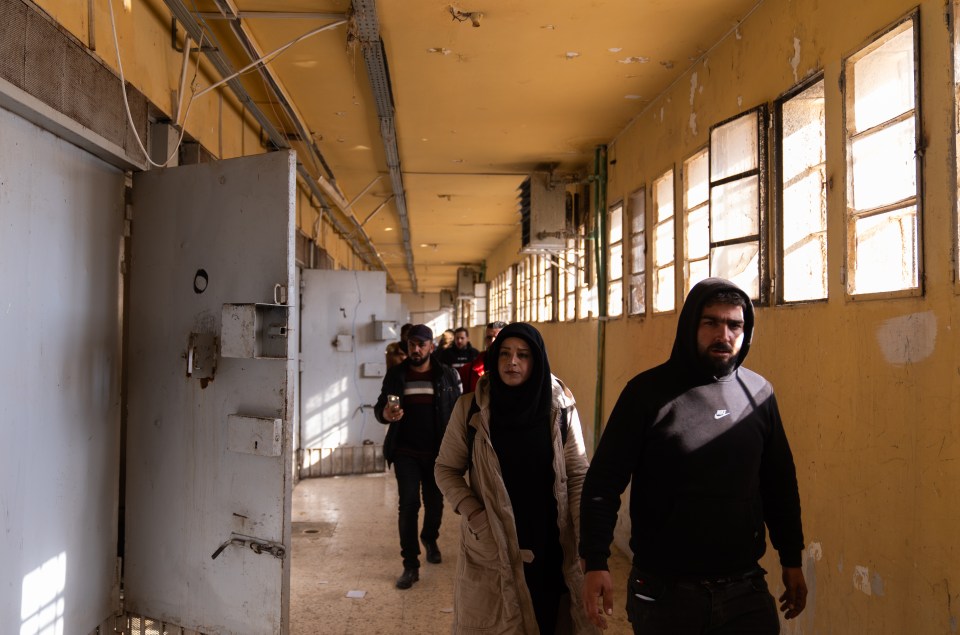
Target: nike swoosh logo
721	414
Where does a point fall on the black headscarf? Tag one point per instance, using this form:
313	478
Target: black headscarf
521	436
529	403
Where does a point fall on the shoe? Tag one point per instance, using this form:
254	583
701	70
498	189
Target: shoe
409	576
433	551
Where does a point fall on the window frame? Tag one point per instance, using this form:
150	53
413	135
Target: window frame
686	286
761	112
777	171
870	44
654	224
638	200
617	207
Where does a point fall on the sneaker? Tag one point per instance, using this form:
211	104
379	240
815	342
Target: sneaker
433	551
409	576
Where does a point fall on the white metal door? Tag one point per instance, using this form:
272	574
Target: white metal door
211	376
343	367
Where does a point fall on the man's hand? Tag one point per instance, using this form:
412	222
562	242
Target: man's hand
794	598
597	583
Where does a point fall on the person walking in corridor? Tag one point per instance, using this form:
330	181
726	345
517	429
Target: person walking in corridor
519	437
701	438
416	400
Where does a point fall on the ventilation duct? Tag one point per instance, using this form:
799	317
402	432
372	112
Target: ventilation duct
542	214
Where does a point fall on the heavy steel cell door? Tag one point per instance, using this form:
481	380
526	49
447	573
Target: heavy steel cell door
211	378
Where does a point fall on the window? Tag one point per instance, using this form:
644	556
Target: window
802	252
664	276
523	290
543	288
696	219
883	169
737	169
567	263
501	297
637	300
615	261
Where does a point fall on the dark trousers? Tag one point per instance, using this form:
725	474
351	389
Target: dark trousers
736	606
413	475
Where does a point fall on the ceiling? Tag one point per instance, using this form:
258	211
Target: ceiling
538	83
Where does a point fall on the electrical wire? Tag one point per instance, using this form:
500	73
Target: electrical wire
269	56
126	102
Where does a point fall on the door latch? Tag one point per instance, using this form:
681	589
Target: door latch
257	545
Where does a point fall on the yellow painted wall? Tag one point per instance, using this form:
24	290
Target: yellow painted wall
869	390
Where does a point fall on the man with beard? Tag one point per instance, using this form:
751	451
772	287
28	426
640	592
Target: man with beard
702	440
416	400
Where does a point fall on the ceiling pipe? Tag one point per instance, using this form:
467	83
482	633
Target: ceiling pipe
368	32
367	252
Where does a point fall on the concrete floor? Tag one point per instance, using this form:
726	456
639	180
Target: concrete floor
345	541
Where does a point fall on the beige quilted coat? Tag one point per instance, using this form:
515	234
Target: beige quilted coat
490	595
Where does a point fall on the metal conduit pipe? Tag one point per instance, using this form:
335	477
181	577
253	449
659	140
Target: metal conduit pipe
600	245
192	27
368	32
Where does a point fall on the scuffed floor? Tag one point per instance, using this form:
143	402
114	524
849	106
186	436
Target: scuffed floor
345	540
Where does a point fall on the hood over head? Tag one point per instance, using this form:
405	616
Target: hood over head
684	352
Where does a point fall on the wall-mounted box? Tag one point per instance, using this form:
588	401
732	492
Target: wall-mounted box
258	331
385	330
373	369
254	435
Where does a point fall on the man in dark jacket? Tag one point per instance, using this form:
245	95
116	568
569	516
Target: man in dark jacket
460	355
701	438
416	400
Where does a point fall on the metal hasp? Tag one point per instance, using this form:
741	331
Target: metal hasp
202	356
257	545
257	331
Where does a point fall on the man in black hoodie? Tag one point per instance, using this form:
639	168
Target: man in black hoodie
701	438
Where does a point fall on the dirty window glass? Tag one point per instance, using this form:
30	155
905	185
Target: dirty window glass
883	213
696	219
803	196
615	262
637	300
664	296
737	199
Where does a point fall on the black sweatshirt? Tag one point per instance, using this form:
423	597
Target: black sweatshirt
710	464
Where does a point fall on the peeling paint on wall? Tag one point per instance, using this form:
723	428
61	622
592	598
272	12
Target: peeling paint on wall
861	579
908	339
815	551
693	123
693	87
876	584
795	60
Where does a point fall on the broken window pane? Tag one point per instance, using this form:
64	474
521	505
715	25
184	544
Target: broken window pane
740	264
803	228
886	251
735	209
637	298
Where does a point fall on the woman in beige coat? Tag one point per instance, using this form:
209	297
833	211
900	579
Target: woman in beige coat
519	436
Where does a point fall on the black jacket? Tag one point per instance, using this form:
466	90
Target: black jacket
710	465
446	390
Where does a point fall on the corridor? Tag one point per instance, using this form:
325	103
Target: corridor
345	544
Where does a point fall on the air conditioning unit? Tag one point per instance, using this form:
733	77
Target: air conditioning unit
542	214
465	280
446	299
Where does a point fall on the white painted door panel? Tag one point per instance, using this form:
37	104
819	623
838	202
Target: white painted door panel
203	464
338	386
